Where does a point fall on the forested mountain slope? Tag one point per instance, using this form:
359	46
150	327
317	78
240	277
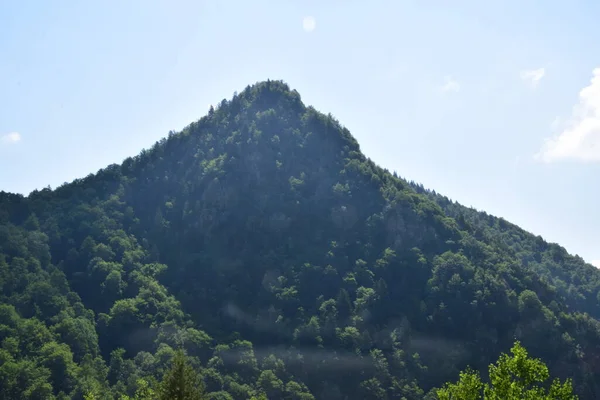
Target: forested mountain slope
574	279
262	241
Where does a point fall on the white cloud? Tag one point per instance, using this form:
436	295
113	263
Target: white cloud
451	85
11	138
579	138
596	263
309	24
534	76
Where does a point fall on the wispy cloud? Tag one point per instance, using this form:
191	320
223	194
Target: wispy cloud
451	85
309	24
10	138
596	263
533	76
579	139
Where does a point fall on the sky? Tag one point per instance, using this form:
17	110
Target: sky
495	104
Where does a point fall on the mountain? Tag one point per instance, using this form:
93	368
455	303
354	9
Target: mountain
577	282
284	262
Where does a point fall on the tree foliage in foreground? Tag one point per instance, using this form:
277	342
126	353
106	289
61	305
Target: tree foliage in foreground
516	377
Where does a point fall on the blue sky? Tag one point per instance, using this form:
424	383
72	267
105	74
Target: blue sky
492	103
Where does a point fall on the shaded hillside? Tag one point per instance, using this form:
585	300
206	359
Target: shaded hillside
575	280
282	260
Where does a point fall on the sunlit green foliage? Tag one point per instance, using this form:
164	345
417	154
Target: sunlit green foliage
515	377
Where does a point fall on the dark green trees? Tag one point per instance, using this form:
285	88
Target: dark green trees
181	382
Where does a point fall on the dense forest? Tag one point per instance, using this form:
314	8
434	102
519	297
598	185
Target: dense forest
259	254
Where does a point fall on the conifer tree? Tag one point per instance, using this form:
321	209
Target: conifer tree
181	382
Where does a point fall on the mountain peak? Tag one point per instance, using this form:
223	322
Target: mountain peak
286	264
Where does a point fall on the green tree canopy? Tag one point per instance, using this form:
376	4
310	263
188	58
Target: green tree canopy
516	377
